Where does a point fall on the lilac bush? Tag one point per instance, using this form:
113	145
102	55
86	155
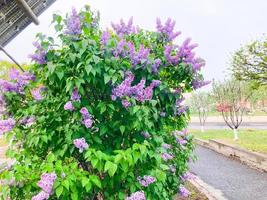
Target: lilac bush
100	114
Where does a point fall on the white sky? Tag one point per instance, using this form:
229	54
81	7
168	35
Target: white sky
218	26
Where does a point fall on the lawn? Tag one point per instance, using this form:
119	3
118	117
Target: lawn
254	140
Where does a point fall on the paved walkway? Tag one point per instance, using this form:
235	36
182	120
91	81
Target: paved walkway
235	180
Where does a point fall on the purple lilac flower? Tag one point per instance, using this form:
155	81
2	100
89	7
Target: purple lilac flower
183	191
75	96
104	38
145	134
166	146
14	74
80	144
180	133
181	141
172	168
73	23
199	84
171	59
146	180
166	156
125	103
28	121
140	56
7	86
187	176
36	93
7	125
40	54
140	195
167	29
41	196
155	66
181	110
46	184
87	118
179	101
69	106
124	29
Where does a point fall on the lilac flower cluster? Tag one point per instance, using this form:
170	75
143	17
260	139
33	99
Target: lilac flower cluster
146	180
196	84
104	38
187	176
28	121
166	146
156	65
69	106
140	195
87	118
80	144
167	29
166	156
179	108
183	53
140	56
37	93
73	23
40	54
138	92
145	134
121	49
125	29
180	137
46	184
183	191
18	81
7	125
75	96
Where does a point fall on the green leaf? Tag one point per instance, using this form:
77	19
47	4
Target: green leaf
106	78
111	168
66	184
59	191
60	74
88	187
74	196
85	181
95	179
88	69
122	129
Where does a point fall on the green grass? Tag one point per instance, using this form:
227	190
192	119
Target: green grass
254	140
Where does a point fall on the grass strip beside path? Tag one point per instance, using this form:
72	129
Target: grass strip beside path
253	140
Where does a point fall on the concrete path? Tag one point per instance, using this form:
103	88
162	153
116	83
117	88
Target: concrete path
222	125
235	180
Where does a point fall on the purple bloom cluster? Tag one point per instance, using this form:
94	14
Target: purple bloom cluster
80	144
18	81
104	38
46	184
125	29
196	84
7	125
138	92
121	48
28	121
73	23
145	134
183	191
146	180
156	65
187	176
37	93
166	146
87	118
181	109
166	156
69	106
140	56
40	54
75	96
167	29
180	137
140	195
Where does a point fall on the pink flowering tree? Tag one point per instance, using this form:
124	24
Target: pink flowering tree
99	114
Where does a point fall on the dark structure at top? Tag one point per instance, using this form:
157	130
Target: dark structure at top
15	15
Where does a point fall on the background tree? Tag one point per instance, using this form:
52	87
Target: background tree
231	97
200	102
250	62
